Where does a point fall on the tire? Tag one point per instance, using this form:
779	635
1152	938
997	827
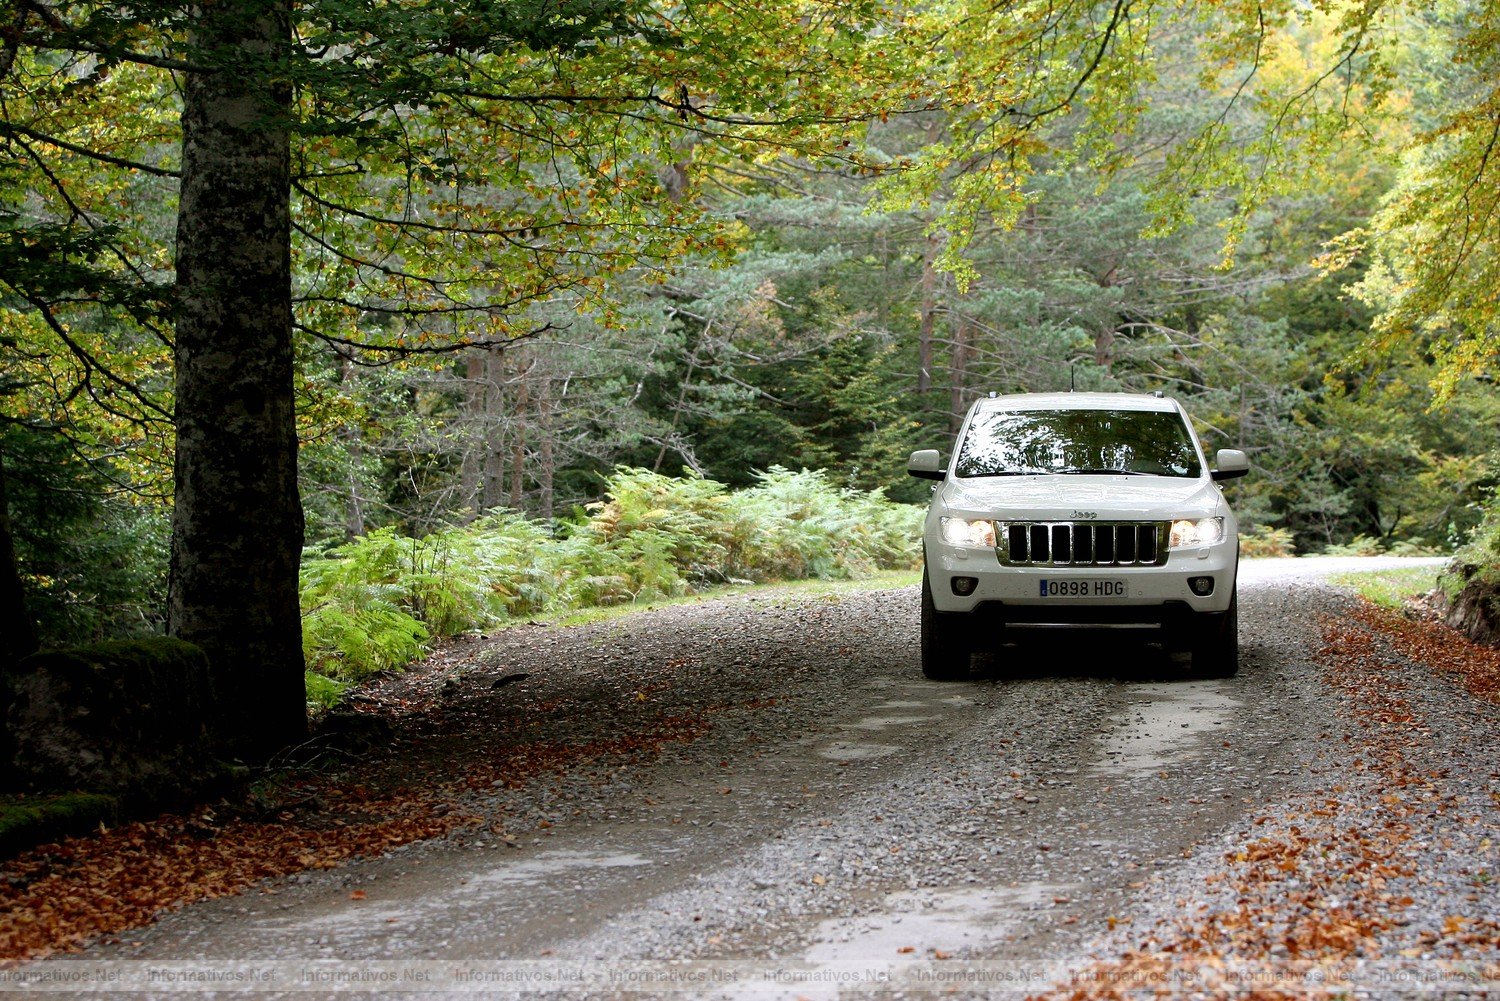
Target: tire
946	650
1216	643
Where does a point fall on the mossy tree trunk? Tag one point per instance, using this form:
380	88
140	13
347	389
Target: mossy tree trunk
237	522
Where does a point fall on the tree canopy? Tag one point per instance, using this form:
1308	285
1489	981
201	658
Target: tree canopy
435	259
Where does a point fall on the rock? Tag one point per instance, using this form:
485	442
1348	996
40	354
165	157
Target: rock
508	679
1475	610
350	730
126	718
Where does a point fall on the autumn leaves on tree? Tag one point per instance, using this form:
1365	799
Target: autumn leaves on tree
208	208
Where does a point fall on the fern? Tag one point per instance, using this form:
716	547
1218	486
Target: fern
375	603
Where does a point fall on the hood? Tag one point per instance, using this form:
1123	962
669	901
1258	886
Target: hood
1057	497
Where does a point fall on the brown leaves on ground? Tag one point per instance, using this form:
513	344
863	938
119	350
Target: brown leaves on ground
1317	889
57	897
1445	650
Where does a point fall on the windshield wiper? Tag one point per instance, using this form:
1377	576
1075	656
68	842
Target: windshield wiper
1100	471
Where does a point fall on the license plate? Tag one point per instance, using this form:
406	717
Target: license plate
1082	587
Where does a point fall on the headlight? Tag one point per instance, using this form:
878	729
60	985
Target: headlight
1203	532
962	532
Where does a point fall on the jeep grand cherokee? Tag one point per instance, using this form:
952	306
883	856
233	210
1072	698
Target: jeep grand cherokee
1082	509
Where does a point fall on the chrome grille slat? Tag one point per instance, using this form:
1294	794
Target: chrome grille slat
1082	543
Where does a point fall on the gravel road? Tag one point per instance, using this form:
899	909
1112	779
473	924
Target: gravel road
836	810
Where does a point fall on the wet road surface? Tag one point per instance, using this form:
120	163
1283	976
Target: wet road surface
860	814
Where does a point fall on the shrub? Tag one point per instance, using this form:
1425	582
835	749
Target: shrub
1360	545
1265	541
374	604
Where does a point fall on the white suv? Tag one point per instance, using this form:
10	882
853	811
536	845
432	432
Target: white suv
1078	509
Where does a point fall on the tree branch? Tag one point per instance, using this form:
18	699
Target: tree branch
12	129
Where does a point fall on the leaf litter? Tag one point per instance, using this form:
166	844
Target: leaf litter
446	756
1333	882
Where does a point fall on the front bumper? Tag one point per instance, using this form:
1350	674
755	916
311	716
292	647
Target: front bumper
1081	595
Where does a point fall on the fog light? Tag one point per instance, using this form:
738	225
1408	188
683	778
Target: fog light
1202	586
964	586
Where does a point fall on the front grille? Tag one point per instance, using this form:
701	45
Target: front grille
1087	544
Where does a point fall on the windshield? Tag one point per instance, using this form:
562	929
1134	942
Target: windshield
1107	442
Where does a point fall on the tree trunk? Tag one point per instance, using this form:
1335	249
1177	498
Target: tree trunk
237	521
1104	349
546	459
928	316
477	416
17	631
518	445
958	377
495	400
354	449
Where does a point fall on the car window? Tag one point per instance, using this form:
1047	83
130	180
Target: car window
1024	442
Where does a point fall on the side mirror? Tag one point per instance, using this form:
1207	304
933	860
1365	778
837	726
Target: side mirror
1231	463
926	464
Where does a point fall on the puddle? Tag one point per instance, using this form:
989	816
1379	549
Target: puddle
488	891
1166	729
538	868
843	750
881	722
923	920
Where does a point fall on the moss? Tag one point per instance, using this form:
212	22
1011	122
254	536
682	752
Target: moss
130	718
28	821
1450	584
136	656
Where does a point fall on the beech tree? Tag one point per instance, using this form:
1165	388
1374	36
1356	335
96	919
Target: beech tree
392	180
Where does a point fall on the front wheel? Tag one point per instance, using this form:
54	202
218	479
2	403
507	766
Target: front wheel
1216	643
946	649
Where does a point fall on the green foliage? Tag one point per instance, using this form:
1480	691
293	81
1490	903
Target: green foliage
323	692
798	525
1390	588
1435	243
1360	545
357	609
373	604
1479	557
93	561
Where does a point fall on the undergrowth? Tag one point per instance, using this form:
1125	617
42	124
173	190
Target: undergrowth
1392	587
376	603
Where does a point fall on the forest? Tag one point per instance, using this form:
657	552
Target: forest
329	328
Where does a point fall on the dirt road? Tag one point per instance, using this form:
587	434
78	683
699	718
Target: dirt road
827	807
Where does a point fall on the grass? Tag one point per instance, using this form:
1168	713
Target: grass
1391	588
784	591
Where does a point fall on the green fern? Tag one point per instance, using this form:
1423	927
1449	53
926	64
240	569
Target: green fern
375	603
